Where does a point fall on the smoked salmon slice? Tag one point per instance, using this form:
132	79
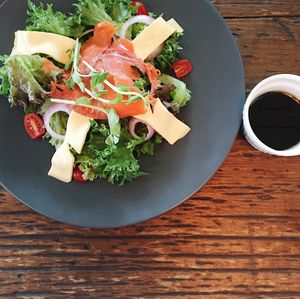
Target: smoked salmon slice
106	53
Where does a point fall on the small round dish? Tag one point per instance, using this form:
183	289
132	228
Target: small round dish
287	83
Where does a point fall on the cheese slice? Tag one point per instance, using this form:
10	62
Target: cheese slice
151	37
63	160
62	164
175	25
164	122
33	42
77	129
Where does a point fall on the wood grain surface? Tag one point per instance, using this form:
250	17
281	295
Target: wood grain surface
238	237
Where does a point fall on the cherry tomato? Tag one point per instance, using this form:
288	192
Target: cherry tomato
142	9
182	67
78	175
34	126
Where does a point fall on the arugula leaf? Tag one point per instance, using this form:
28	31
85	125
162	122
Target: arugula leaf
83	101
169	53
114	127
75	77
123	88
69	64
77	80
97	78
44	18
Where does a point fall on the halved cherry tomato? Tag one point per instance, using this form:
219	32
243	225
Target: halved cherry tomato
78	175
182	67
142	9
34	126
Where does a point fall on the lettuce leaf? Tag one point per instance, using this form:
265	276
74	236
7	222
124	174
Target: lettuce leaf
44	18
180	95
115	163
5	85
169	53
92	12
29	80
120	10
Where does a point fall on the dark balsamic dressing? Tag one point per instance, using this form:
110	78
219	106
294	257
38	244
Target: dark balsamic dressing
275	120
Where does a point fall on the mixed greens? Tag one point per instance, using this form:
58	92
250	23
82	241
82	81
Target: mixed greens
37	82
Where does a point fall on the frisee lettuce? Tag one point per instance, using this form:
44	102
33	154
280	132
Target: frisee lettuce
169	53
44	18
115	163
120	10
92	12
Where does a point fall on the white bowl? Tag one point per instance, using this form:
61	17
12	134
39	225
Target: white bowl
283	83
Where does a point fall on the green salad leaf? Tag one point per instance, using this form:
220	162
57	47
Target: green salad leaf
169	53
180	95
5	85
44	18
119	10
116	163
92	12
28	80
135	30
142	83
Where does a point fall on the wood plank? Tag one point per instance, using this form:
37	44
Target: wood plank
254	8
190	224
79	261
163	283
269	46
257	8
238	237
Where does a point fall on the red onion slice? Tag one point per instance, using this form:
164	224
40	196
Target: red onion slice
47	117
136	19
133	122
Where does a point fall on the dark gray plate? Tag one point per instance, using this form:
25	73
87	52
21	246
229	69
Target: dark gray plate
214	114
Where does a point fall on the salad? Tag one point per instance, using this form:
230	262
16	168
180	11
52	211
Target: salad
102	85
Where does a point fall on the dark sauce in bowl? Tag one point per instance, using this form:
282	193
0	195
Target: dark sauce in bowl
275	119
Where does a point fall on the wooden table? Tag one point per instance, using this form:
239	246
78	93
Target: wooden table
238	237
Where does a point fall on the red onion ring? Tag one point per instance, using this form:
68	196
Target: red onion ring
47	117
133	122
136	19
